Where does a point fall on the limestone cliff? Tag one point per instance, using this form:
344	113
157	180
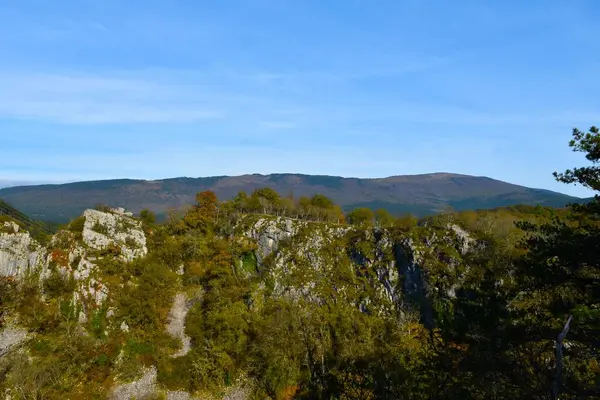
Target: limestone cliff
19	253
300	258
380	271
75	255
105	229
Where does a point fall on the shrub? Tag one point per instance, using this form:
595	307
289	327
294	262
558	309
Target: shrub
6	228
76	225
147	217
98	227
130	242
57	284
361	216
102	207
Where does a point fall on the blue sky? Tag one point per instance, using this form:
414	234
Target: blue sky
154	89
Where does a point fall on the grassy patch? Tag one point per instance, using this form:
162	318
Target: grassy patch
99	228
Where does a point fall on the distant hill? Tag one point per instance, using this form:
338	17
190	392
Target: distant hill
4	183
419	194
9	213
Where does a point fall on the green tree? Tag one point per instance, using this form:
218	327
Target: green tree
361	216
588	176
287	206
406	222
102	207
203	214
514	302
240	202
383	217
321	201
560	275
270	195
147	217
218	324
305	208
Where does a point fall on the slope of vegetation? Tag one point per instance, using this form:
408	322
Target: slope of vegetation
362	305
40	230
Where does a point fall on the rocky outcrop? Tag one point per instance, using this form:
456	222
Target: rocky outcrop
178	395
10	227
375	270
415	287
464	240
396	266
19	252
86	255
268	233
105	229
11	337
104	236
285	247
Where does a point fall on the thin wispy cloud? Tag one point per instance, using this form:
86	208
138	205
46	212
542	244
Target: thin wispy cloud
89	99
374	69
279	124
177	160
118	89
97	100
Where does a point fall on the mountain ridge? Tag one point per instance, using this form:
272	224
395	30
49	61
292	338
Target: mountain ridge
420	194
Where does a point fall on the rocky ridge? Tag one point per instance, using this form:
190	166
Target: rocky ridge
19	252
105	236
75	254
299	259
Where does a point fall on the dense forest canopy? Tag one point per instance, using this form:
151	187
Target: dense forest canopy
475	319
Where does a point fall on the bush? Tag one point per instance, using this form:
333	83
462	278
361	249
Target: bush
98	227
103	208
147	217
361	216
131	243
57	284
76	225
7	228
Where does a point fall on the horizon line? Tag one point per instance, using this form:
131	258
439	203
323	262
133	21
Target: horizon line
70	182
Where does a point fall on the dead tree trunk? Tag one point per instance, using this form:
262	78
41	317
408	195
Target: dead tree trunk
557	386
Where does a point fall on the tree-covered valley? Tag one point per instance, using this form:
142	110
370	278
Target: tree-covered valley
272	296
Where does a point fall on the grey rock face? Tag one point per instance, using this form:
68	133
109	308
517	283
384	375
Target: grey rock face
268	233
19	253
103	229
397	263
11	227
414	286
11	337
466	242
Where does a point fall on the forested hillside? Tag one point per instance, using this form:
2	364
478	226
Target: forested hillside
420	195
272	297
